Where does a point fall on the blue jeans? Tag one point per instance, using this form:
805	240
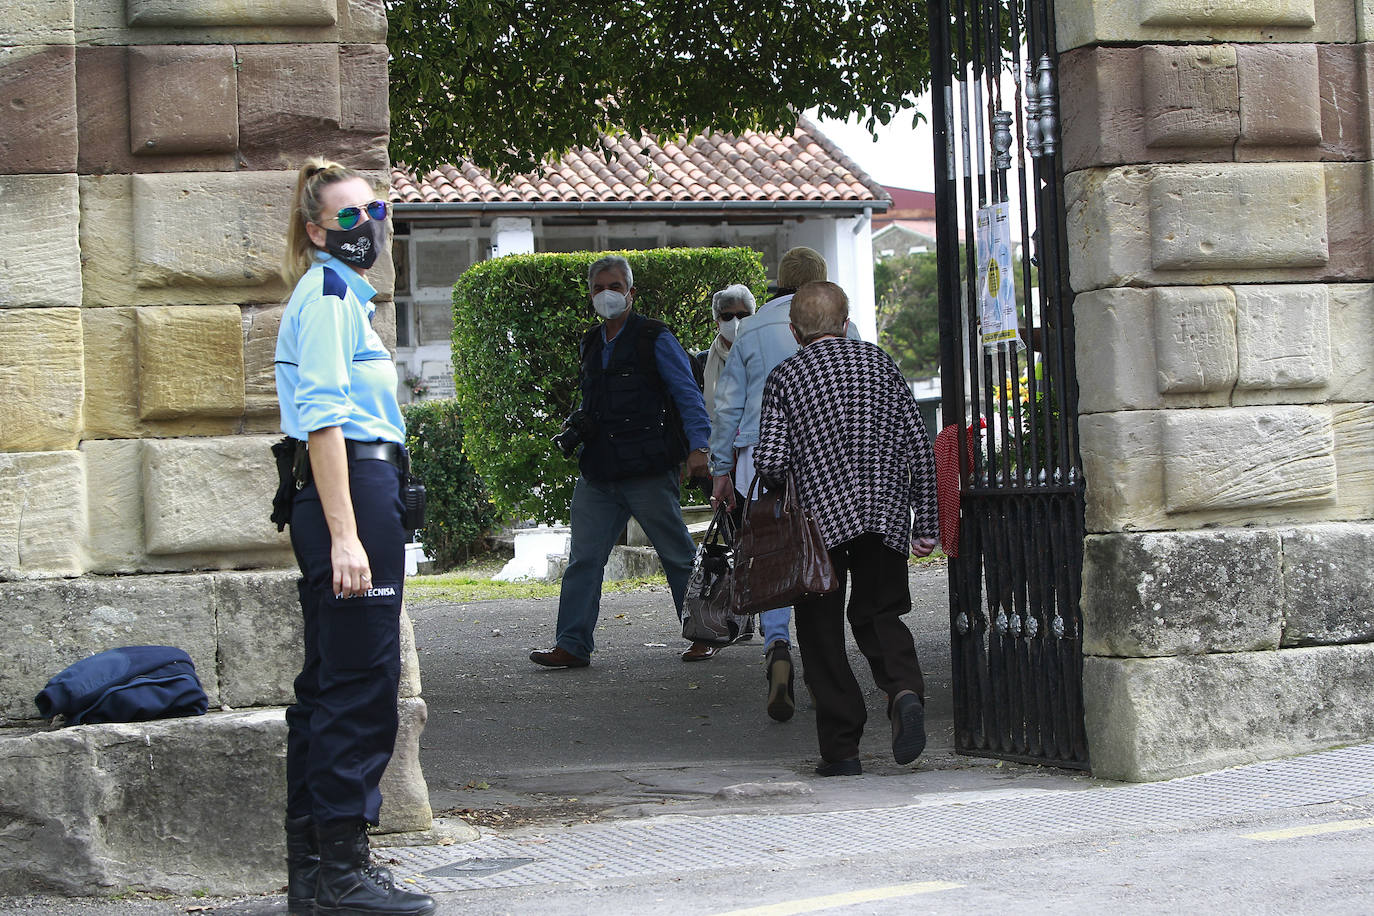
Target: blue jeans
775	624
600	510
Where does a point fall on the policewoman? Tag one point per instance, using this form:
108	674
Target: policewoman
336	385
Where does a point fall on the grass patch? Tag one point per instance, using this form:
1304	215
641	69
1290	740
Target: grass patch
475	583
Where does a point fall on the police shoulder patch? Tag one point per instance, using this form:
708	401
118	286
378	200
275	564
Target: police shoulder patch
334	285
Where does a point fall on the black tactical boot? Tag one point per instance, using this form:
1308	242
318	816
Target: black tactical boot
302	865
349	886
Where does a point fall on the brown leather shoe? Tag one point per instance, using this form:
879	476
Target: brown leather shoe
558	657
699	652
779	671
908	727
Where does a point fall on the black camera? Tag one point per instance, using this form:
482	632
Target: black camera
576	430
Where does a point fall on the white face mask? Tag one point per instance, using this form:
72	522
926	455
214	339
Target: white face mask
610	304
728	329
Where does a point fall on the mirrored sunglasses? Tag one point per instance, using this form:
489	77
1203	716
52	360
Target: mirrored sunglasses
349	217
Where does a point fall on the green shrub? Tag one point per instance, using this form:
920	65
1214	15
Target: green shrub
517	321
458	512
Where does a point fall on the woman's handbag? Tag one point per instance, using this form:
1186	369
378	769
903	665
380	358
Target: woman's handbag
780	556
706	613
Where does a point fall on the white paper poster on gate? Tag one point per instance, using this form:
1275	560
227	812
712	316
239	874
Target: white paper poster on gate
996	283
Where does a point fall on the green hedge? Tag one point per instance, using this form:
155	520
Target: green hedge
458	510
517	321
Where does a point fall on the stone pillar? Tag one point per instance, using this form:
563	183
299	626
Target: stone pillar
146	165
1220	202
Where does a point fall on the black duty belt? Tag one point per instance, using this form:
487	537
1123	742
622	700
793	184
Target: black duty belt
389	452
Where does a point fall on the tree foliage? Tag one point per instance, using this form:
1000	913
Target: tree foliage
517	321
907	289
507	84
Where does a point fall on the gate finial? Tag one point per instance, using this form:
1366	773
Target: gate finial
1001	140
1049	114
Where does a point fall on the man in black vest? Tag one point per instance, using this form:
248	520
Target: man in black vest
643	415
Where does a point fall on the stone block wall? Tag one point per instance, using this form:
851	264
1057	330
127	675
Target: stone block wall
146	168
1221	199
145	174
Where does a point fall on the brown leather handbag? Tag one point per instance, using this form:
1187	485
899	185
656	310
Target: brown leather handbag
780	556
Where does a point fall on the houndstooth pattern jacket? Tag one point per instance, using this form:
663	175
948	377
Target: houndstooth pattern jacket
842	418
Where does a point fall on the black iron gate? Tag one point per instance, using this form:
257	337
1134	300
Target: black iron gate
1009	386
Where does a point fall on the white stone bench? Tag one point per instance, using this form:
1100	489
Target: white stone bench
542	552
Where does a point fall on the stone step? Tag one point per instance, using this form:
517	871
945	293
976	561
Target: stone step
624	563
176	805
179	806
633	559
694	514
695	517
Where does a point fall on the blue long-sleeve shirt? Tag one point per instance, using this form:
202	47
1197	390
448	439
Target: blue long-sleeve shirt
332	369
676	371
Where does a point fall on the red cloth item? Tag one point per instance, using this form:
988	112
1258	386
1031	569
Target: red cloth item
947	482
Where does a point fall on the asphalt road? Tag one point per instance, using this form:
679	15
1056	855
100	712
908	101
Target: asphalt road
1307	861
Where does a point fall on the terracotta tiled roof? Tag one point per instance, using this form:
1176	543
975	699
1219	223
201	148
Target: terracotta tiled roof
906	205
925	227
753	167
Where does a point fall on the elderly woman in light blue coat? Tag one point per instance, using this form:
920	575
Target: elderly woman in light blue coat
762	342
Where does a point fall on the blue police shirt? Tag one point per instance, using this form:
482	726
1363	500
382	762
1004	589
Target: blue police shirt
332	368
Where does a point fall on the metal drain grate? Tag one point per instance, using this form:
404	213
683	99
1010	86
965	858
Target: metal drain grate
476	867
601	852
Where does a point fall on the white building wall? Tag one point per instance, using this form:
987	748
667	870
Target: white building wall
863	302
512	235
847	246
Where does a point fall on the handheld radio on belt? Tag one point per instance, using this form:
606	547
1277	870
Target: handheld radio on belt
412	499
293	473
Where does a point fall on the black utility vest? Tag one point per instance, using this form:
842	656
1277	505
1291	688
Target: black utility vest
637	431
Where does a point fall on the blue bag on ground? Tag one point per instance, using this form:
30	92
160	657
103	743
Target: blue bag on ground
129	684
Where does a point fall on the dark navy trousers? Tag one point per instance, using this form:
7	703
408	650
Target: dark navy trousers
342	727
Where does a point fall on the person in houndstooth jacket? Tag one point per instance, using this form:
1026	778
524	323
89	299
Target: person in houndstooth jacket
841	418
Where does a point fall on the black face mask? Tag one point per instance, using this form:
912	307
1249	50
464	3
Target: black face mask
358	246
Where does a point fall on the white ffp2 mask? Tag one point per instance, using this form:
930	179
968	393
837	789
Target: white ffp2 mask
610	304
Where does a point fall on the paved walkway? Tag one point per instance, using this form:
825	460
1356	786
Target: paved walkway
1289	836
1016	812
639	728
